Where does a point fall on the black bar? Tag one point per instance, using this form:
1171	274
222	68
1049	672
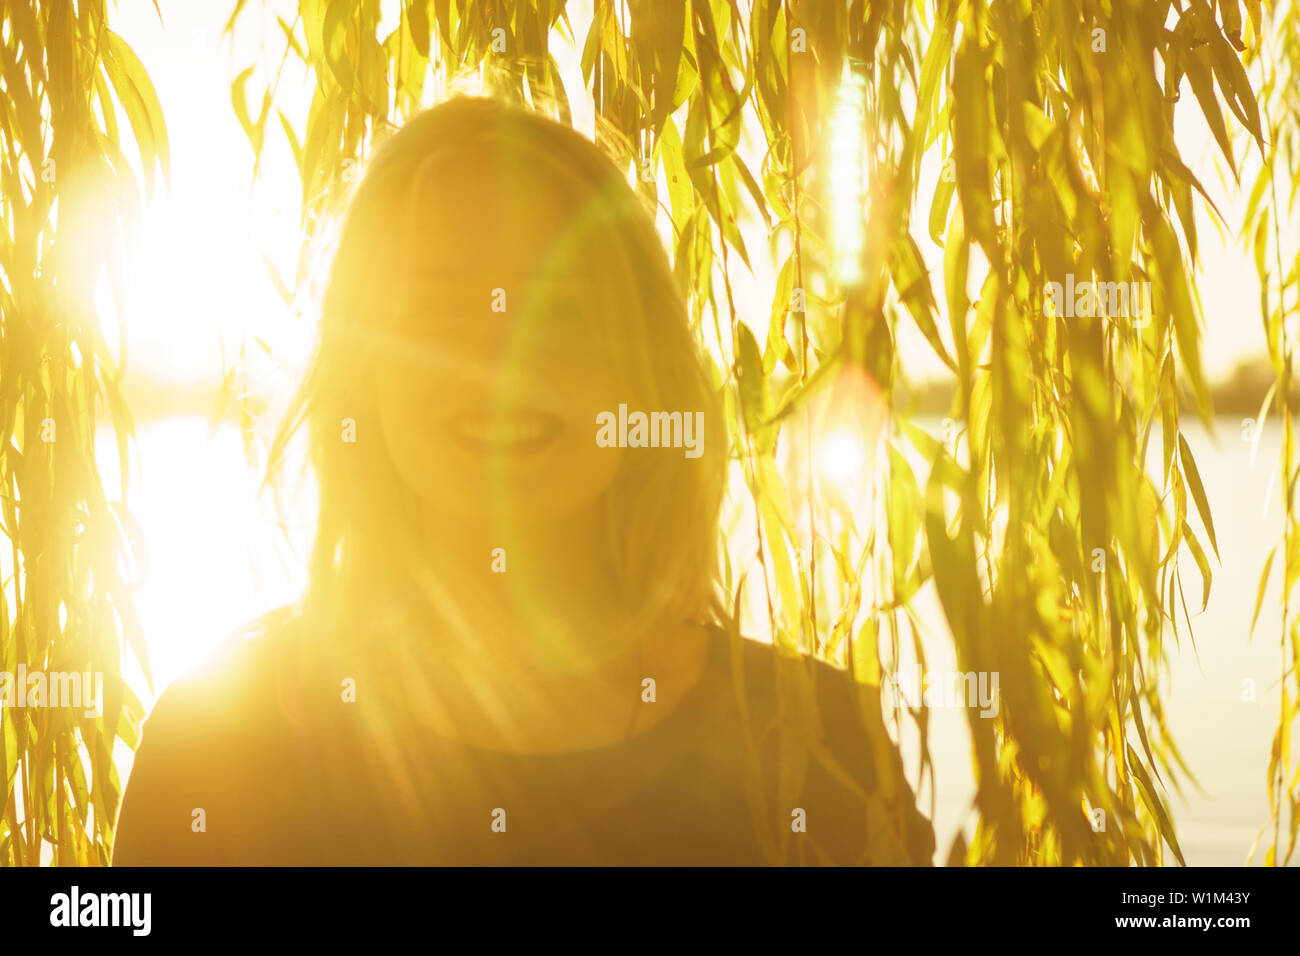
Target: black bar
328	905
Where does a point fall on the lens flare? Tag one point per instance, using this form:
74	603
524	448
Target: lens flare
848	153
841	457
851	422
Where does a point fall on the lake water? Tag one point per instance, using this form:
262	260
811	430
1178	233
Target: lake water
213	564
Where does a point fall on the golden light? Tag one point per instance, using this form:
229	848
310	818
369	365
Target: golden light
841	457
851	423
848	153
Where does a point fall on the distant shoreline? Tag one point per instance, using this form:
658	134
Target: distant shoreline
1239	395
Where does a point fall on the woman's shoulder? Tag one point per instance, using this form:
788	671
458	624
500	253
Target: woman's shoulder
786	690
243	677
203	748
818	725
791	680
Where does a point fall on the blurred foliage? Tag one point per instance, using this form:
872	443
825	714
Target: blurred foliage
75	99
1270	228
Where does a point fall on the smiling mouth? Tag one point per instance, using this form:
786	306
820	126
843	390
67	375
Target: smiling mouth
507	433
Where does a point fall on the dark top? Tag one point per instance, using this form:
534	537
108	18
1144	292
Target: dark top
280	782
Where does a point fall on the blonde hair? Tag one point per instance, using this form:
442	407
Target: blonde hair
661	511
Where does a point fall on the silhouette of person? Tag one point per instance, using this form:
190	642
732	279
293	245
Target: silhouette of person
513	647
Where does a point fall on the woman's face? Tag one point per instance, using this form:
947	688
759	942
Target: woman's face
489	395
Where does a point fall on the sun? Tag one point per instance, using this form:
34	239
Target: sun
842	457
198	294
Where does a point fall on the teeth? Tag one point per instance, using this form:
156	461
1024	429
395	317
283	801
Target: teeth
520	428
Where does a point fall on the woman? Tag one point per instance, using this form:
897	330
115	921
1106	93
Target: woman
512	647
